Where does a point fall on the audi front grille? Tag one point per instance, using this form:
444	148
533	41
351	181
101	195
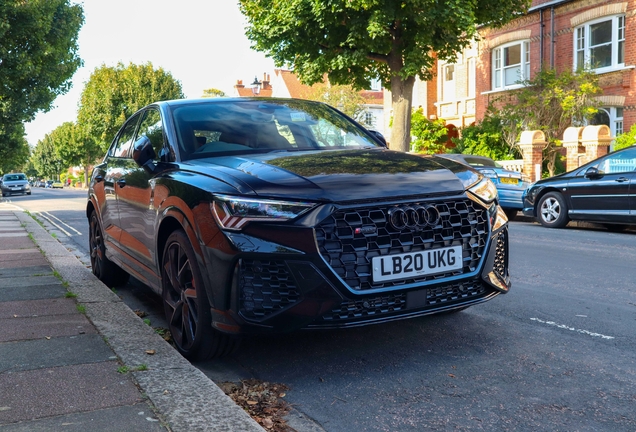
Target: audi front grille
350	238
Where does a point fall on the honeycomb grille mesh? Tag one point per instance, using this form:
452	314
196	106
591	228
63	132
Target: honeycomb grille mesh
501	255
266	287
349	253
385	305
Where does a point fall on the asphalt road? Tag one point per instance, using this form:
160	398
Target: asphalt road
556	353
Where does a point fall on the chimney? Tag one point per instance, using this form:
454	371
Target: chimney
266	81
239	84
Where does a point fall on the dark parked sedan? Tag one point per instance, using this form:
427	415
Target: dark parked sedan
272	215
599	191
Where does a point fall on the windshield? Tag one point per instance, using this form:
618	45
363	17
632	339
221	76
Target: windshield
14	177
254	126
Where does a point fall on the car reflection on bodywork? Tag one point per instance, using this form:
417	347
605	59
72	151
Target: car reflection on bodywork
600	191
274	215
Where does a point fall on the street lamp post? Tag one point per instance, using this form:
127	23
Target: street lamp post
256	86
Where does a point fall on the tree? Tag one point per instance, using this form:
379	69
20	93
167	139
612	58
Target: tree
112	94
354	41
213	93
626	139
489	138
344	97
430	135
75	147
14	149
46	159
551	102
38	55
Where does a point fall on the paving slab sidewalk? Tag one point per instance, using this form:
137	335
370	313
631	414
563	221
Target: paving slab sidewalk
81	363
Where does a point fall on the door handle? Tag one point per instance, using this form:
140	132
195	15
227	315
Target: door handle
622	179
121	183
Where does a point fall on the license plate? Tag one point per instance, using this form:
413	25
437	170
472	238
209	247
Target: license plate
509	180
415	264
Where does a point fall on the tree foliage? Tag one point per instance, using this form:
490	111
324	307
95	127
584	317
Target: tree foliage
14	150
46	158
38	57
38	54
430	135
626	139
112	94
354	41
487	138
551	102
213	93
74	147
344	97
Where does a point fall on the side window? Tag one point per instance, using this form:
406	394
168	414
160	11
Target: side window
619	163
122	148
152	127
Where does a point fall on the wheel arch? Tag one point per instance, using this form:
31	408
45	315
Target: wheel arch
541	194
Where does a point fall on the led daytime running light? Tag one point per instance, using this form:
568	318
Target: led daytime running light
234	213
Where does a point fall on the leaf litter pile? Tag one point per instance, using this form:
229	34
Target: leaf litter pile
263	401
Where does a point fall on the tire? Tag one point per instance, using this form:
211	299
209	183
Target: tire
106	271
28	193
186	304
553	211
511	214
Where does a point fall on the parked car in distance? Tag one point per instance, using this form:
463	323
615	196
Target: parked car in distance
15	183
510	184
57	185
601	191
273	215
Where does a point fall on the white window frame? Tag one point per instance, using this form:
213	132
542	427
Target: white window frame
369	118
499	70
582	40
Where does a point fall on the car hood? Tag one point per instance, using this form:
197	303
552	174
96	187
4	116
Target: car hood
337	175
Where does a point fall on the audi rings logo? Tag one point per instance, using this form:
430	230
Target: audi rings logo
414	217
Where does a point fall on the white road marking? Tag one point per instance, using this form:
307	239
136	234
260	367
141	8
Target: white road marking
63	223
563	326
41	214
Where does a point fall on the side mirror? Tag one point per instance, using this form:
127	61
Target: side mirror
378	136
144	154
592	173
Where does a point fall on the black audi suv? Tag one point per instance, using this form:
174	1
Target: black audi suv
274	215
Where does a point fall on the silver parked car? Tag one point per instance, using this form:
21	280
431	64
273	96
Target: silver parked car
16	183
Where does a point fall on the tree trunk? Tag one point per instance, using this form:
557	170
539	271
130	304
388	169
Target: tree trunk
85	175
402	103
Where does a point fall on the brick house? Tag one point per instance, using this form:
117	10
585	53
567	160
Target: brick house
576	33
285	84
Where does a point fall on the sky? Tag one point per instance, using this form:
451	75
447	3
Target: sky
202	43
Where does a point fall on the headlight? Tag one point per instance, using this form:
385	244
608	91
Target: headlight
233	212
484	190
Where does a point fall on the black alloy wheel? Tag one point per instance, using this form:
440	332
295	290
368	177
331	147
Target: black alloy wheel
106	271
553	210
186	304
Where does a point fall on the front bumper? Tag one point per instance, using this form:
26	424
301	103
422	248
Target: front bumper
327	284
15	189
